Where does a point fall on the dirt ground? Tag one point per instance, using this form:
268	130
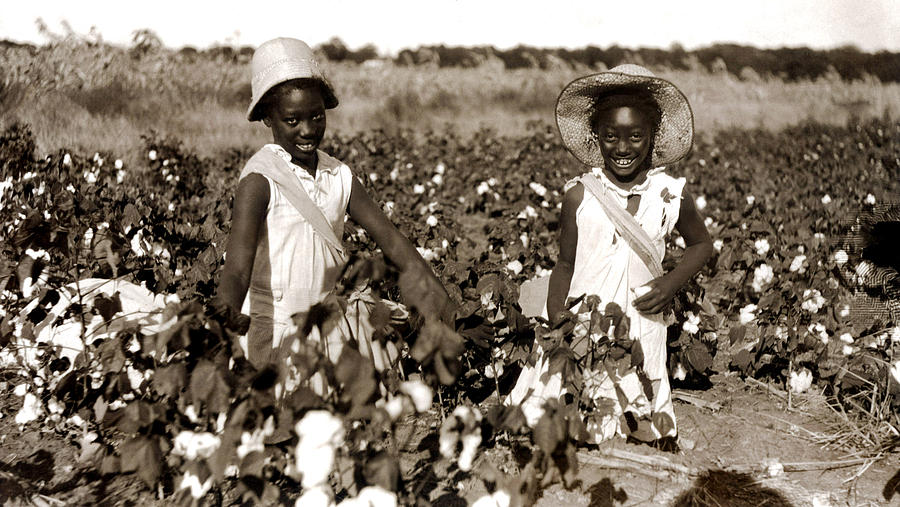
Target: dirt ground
732	436
728	452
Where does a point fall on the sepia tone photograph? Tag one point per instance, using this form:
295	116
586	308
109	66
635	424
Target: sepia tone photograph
450	253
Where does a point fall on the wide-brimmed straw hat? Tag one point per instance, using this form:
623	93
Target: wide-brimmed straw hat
578	101
280	60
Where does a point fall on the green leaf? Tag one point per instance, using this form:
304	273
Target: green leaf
108	307
170	380
736	334
142	455
208	387
698	357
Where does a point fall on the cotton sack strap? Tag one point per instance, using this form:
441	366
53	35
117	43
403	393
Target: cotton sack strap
626	225
276	169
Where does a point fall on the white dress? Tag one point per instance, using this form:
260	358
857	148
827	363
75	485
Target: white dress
294	268
606	266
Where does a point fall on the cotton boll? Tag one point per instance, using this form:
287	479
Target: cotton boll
421	395
800	380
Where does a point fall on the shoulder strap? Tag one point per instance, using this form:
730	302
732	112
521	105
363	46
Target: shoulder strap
627	226
287	182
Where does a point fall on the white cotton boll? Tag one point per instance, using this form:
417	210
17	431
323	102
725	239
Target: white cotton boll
418	189
135	378
870	199
523	238
320	433
67	159
747	314
491	372
152	155
841	257
844	311
692	324
680	373
20	390
191	414
515	266
192	482
820	331
421	395
393	407
679	242
119	164
483	188
250	442
762	246
846	338
826	199
847	350
539	189
751	199
373	176
895	335
797	265
762	276
394	174
192	445
440	168
701	202
432	221
31	409
800	380
708	221
470	445
492	181
718	244
437	179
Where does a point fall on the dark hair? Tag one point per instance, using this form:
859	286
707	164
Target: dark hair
278	91
637	98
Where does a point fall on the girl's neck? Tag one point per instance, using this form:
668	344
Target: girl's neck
307	165
638	179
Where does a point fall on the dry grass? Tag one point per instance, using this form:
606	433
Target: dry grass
103	99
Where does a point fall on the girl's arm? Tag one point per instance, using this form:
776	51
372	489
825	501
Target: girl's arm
247	218
561	278
698	248
398	249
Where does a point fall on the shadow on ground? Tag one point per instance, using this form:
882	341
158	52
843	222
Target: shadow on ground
718	487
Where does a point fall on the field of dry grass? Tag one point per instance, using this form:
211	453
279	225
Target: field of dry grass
102	98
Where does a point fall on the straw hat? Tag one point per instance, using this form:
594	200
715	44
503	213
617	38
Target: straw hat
280	60
578	100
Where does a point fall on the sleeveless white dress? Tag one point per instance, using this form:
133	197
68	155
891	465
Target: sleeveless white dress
606	266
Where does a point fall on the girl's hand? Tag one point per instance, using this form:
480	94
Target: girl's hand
662	291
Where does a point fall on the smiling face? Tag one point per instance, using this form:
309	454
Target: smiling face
625	134
296	116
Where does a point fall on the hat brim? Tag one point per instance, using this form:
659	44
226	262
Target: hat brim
577	102
328	96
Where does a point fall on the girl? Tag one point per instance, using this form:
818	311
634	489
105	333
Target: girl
289	210
627	125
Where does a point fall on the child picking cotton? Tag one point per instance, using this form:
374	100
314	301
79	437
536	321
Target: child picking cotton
285	246
627	125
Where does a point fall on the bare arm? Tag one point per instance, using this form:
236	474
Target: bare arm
698	248
247	218
398	249
561	278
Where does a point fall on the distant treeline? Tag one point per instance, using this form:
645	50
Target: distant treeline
746	62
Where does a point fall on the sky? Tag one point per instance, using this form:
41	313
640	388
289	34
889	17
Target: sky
870	25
